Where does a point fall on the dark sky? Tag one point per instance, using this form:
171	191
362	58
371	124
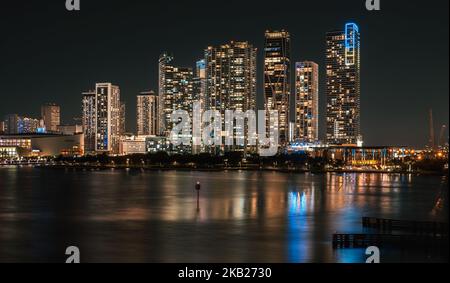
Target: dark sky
48	54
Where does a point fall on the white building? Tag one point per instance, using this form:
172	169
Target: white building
107	126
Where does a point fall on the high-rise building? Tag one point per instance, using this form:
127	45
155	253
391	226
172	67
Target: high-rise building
182	89
198	95
306	102
231	77
175	91
343	86
107	134
165	92
11	124
51	115
200	69
231	80
147	114
199	82
89	120
15	124
277	78
30	125
122	119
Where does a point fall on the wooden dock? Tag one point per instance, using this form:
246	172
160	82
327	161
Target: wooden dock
366	240
415	227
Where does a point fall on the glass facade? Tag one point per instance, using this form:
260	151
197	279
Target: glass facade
175	91
277	78
107	135
89	120
147	114
231	79
306	127
343	85
50	114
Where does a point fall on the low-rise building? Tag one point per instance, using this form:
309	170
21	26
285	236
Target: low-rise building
132	145
27	145
70	129
143	144
156	143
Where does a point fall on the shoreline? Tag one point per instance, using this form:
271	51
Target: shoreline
219	169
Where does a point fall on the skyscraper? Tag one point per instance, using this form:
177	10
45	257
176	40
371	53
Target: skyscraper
50	114
231	77
107	132
175	91
89	120
165	92
343	86
182	89
306	101
198	95
16	124
11	124
147	114
122	121
28	125
277	78
199	82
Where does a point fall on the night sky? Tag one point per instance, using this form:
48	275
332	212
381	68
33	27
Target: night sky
48	54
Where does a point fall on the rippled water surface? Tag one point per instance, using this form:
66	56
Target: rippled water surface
134	216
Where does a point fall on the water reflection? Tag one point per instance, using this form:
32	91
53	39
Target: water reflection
243	216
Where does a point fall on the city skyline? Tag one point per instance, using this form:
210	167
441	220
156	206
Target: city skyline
257	134
390	128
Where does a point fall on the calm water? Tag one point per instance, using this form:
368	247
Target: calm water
127	216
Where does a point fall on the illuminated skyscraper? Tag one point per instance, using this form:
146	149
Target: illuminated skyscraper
198	95
231	77
15	124
182	89
199	82
306	101
175	91
50	114
343	86
11	124
29	125
122	121
147	114
200	70
107	134
89	120
277	78
165	92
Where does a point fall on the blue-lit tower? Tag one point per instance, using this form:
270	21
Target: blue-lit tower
343	86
